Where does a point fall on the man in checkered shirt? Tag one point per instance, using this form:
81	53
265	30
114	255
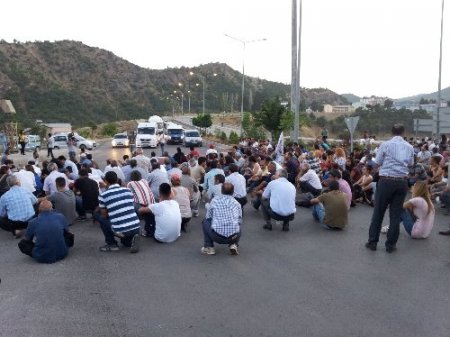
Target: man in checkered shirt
223	222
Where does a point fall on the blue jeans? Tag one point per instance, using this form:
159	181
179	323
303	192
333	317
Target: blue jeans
408	220
79	206
105	226
162	148
318	212
210	236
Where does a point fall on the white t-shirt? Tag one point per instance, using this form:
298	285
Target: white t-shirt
168	220
27	180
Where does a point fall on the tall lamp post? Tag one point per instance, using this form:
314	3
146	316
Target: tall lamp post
203	78
438	110
244	42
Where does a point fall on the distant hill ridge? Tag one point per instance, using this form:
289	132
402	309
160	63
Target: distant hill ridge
68	81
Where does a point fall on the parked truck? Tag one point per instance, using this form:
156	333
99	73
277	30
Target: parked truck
159	123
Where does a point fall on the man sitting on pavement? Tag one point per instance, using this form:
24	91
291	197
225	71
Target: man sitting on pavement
222	223
278	200
238	181
49	182
309	181
44	238
16	207
331	208
86	190
64	201
335	175
167	216
117	218
156	178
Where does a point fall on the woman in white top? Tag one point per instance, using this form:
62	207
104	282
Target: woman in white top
418	214
183	197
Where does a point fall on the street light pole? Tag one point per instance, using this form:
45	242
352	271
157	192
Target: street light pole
438	112
244	42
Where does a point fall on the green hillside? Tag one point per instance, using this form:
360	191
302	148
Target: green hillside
68	81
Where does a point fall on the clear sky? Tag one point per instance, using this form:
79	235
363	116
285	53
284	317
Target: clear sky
382	47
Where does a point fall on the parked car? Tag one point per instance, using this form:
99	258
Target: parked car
192	138
82	143
120	139
33	143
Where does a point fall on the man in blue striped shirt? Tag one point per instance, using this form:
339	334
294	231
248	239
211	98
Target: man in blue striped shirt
394	157
117	216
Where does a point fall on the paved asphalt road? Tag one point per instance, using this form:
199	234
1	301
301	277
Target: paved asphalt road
306	282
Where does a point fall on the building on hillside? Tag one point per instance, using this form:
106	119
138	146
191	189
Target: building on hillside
373	100
337	109
7	107
327	108
343	109
57	127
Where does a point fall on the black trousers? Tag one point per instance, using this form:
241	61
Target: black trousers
12	226
390	193
306	187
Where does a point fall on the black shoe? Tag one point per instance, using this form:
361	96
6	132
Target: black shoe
390	249
268	227
371	246
447	232
285	227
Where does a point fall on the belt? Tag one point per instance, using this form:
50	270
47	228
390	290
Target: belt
393	178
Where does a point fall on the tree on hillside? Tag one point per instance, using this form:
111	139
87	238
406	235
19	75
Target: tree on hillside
203	121
274	117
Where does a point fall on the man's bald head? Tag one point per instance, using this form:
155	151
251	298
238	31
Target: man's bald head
227	189
45	206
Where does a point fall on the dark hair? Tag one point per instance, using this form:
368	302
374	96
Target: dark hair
213	164
30	168
333	185
165	190
201	160
60	182
135	175
61	158
220	178
111	177
227	189
336	173
83	173
133	163
398	129
233	168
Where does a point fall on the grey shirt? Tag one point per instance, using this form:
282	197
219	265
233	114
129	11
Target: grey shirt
64	203
156	178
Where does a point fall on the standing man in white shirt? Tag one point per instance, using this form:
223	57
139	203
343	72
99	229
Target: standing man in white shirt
50	145
238	181
278	201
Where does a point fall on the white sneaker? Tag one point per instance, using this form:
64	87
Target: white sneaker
385	229
208	250
234	249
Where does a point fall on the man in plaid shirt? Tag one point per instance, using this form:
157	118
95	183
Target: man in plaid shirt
223	222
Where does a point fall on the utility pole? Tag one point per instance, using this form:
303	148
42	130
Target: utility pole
296	58
438	110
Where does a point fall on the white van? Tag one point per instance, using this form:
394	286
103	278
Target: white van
146	135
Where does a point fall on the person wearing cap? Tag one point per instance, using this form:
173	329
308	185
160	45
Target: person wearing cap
211	151
183	197
44	238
